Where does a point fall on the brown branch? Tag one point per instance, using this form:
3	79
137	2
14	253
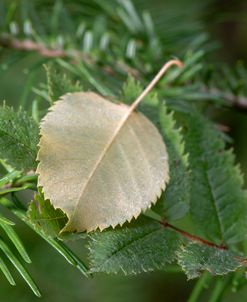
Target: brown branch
243	261
192	237
237	102
200	240
7	41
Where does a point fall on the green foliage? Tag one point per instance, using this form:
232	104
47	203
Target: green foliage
56	243
142	246
15	239
195	258
42	215
26	276
7	227
218	202
100	45
59	84
18	138
131	89
6	272
176	197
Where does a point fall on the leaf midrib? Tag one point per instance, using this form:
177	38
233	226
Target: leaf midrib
210	189
103	154
129	243
28	148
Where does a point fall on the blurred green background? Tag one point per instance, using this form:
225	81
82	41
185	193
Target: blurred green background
226	23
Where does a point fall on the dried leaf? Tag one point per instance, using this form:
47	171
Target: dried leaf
100	162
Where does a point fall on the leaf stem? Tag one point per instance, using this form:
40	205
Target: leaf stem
199	287
192	237
155	80
220	286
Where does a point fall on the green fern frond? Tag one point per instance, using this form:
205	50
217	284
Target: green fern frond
59	84
177	194
19	137
218	203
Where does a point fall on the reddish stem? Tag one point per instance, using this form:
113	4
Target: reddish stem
192	237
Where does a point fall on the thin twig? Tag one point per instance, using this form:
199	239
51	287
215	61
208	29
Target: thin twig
192	237
237	102
7	41
200	240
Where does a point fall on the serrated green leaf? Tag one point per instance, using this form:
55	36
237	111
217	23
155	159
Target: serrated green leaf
59	84
131	89
50	229
44	216
218	202
141	246
196	258
19	137
176	197
58	245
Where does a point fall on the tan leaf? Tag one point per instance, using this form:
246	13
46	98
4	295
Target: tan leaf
102	163
98	173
